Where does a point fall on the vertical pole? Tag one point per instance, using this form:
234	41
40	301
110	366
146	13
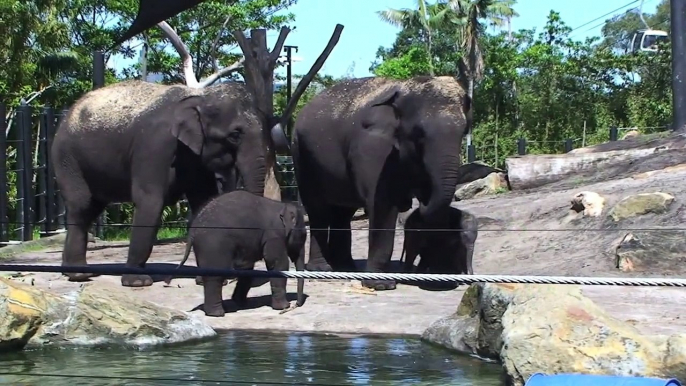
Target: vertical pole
471	153
42	173
289	81
614	133
4	226
678	42
568	145
99	81
26	182
61	210
50	202
521	146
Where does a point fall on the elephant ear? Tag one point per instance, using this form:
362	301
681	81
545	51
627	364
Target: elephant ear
384	112
188	126
289	217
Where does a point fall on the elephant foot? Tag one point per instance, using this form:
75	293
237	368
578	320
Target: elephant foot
438	286
136	281
216	312
240	302
280	304
79	277
198	281
379	285
321	266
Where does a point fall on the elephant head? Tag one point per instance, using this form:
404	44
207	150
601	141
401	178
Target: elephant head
223	127
426	120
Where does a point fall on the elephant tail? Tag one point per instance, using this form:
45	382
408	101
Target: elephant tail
189	246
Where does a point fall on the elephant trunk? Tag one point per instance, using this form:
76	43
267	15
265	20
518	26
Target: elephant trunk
443	172
253	172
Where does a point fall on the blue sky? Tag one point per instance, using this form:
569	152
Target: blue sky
364	32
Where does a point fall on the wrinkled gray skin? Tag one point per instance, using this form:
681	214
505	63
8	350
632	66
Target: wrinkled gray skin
151	144
237	229
440	251
376	143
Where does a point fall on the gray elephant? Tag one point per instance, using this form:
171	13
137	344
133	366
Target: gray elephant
448	251
377	143
151	144
237	229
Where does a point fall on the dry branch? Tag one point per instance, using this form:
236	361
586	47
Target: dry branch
305	81
187	60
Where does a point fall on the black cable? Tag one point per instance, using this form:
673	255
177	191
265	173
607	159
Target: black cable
151	379
602	16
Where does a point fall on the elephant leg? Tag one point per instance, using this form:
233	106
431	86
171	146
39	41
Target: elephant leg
80	216
382	220
276	259
213	305
196	199
243	285
340	239
319	240
146	222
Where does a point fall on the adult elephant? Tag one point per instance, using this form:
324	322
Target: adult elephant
150	144
375	143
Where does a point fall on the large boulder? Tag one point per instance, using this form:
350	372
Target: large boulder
650	252
553	329
89	315
640	204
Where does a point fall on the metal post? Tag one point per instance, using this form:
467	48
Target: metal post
42	175
50	201
4	226
99	81
521	146
471	153
61	210
289	80
614	133
26	174
569	145
678	42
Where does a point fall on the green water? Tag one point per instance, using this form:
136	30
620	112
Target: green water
254	358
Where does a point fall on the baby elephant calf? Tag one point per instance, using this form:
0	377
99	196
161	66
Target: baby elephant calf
235	230
441	251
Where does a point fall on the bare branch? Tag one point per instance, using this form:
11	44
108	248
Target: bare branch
224	71
276	51
215	45
305	81
186	59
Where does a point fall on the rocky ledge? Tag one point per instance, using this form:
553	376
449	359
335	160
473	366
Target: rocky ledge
553	329
32	317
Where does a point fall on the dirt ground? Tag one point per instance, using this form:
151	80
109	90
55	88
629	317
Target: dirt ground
521	234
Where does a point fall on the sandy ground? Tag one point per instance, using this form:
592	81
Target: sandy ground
534	244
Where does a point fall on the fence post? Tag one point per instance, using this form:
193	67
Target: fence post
25	180
47	182
614	133
4	221
61	216
99	81
521	146
569	145
471	153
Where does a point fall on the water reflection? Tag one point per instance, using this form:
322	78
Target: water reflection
256	358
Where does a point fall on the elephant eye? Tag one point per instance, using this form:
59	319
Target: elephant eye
235	135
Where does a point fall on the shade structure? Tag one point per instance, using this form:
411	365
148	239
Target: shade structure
151	12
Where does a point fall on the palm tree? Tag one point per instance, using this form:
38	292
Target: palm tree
425	18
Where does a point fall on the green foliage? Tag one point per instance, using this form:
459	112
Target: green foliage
547	87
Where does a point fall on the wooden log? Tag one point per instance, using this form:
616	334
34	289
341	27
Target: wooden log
619	159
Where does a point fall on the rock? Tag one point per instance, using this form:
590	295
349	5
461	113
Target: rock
590	204
641	204
91	315
553	329
651	252
21	311
668	169
630	134
491	184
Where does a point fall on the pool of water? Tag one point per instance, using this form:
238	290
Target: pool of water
254	358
